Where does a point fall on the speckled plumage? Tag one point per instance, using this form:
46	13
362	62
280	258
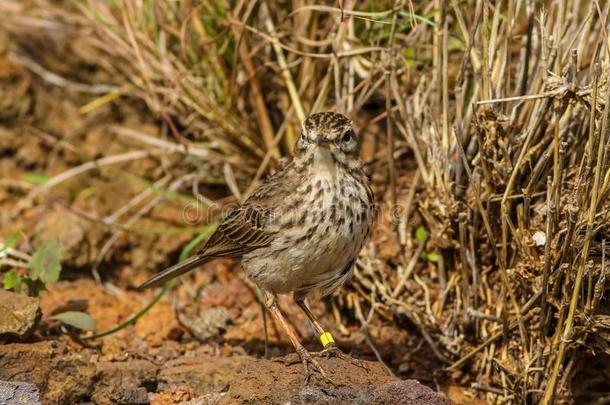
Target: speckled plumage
321	215
301	230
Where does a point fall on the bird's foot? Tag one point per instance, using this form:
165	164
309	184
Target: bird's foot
310	364
332	350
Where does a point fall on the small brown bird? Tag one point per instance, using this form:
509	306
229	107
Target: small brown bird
301	231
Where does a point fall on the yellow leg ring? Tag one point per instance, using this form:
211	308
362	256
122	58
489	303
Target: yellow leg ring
326	338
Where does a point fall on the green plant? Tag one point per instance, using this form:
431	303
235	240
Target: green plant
421	235
43	268
186	252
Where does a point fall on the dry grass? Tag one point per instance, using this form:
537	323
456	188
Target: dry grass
485	124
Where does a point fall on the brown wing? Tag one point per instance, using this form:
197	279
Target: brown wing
250	226
243	230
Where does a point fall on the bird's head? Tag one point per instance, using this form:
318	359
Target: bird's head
331	131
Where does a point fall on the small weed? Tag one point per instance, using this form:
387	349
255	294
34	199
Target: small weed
421	235
43	268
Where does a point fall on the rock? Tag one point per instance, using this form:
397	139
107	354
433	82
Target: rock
210	322
124	382
176	395
18	393
64	375
76	236
408	392
345	395
209	399
240	379
66	227
72	377
20	360
19	315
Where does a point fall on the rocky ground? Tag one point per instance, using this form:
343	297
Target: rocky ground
204	351
152	362
197	377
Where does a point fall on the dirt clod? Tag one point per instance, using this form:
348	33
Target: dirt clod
124	382
410	392
406	392
75	236
19	315
208	324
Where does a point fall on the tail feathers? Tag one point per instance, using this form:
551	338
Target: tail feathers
174	271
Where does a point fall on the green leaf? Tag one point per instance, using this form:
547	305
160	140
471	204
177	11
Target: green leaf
46	262
433	257
11	280
86	192
37	179
421	234
419	18
80	320
175	195
11	241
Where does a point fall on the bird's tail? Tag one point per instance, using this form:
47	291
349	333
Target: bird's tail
174	271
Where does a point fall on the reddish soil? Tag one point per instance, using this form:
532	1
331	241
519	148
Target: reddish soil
155	361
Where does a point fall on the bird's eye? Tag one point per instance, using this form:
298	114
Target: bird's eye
347	137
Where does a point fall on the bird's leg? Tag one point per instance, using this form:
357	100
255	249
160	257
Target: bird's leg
306	357
265	330
325	337
328	343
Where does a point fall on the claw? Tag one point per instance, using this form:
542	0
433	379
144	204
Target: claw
333	351
310	365
308	361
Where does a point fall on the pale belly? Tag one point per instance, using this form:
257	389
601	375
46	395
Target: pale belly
314	255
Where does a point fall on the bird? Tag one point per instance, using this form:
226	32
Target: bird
300	232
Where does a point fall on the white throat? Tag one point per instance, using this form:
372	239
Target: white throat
323	163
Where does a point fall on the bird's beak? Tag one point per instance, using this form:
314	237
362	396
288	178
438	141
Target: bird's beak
322	141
